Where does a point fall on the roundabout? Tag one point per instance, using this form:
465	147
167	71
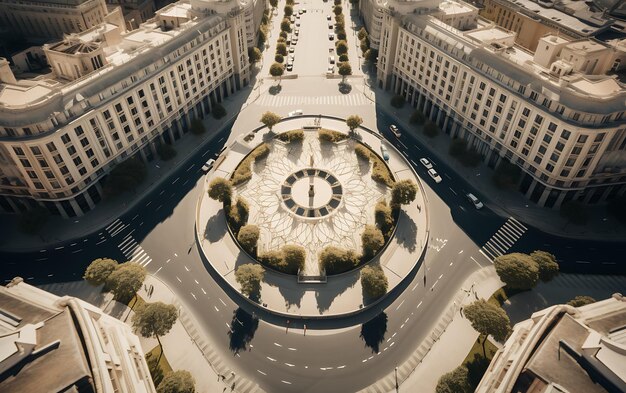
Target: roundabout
313	196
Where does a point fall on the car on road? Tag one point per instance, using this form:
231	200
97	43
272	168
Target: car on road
291	49
208	165
331	59
395	130
330	26
384	152
474	201
296	32
433	173
298	23
289	66
304	10
297	112
328	17
292	58
292	19
331	36
330	70
300	12
427	164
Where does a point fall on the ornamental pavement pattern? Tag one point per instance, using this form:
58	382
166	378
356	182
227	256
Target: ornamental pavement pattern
279	225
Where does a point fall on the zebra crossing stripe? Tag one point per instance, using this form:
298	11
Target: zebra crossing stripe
113	223
504	238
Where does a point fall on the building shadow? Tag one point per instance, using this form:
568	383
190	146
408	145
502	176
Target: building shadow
408	237
373	332
242	329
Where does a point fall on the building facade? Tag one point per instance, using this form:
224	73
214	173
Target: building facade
49	20
557	113
563	349
113	95
60	344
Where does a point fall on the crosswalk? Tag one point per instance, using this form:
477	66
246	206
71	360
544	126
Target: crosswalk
503	239
344	99
133	251
116	227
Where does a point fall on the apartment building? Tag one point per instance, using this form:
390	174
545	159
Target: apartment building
50	19
556	113
63	344
111	95
563	349
135	11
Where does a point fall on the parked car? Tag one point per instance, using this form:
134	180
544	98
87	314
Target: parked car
296	32
331	36
427	164
208	165
291	49
330	70
433	173
474	201
330	26
395	130
384	152
297	112
289	66
331	59
304	10
328	17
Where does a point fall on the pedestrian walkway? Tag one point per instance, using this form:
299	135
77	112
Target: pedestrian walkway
133	251
340	99
501	241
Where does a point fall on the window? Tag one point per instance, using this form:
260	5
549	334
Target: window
65	138
18	151
559	146
547	138
565	134
565	172
552	126
582	138
538	119
599	137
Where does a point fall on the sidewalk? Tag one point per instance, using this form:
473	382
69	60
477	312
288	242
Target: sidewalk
58	230
504	202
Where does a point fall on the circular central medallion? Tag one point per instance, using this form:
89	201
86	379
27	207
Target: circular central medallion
311	193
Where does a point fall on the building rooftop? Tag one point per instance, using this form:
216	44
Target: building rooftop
454	7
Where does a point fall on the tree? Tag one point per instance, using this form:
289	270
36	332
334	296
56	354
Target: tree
488	319
254	54
274	3
517	270
126	280
580	301
344	57
155	320
340	24
166	151
344	70
458	147
99	271
455	381
403	192
270	119
574	212
372	240
336	260
417	117
507	175
362	152
547	264
179	381
281	49
288	10
341	34
430	129
362	33
31	221
221	190
285	25
383	218
374	281
238	215
364	45
341	47
218	111
353	122
249	276
277	70
197	126
248	237
397	101
294	257
337	9
279	58
125	176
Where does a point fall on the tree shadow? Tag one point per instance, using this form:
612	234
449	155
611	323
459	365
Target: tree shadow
216	227
275	89
476	369
325	296
242	329
295	150
373	331
292	297
345	88
408	237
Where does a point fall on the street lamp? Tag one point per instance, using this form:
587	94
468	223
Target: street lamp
396	373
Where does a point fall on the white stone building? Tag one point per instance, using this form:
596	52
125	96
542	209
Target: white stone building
114	94
557	113
563	349
61	344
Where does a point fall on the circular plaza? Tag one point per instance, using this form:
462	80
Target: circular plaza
313	204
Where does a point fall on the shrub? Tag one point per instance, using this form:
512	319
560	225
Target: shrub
341	34
336	260
383	218
283	34
403	192
288	10
221	190
397	101
285	25
291	136
279	58
381	173
249	276
331	136
99	271
362	152
289	259
238	214
281	49
417	117
166	152
218	111
272	258
254	54
580	301
341	47
517	270
261	152
197	126
343	57
337	9
372	241
431	130
374	281
243	173
547	264
362	33
248	237
457	147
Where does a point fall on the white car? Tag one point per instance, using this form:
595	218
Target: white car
289	66
395	130
331	36
296	32
297	112
427	164
328	17
474	201
291	49
433	173
208	165
330	70
298	23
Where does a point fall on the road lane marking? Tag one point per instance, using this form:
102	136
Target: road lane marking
175	180
441	275
203	291
60	248
217	309
400	305
292	349
41	259
414	163
148	204
190	167
101	241
290	365
261	372
454	192
285	382
157	209
77	251
186	268
460	252
158	270
448	176
194	296
269	358
179	280
433	287
42	250
136	215
472	258
415	286
400	142
162	192
222	302
168	261
197	282
418	306
73	244
277	344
